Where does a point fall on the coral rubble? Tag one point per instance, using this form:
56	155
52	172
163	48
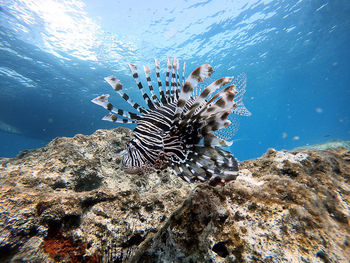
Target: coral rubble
71	202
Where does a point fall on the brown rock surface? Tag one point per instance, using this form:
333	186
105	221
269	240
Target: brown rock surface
70	202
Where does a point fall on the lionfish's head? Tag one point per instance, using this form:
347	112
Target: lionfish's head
133	161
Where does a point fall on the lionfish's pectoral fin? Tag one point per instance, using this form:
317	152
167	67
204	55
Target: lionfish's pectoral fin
241	110
241	83
201	99
198	75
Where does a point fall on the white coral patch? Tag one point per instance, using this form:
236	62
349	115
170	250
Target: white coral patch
291	157
246	176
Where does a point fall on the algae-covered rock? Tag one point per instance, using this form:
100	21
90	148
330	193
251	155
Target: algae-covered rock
71	202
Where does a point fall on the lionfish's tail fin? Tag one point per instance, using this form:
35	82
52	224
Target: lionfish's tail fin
161	90
208	164
104	103
150	87
117	86
133	69
198	75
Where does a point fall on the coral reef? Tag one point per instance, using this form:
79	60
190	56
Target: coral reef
332	144
71	202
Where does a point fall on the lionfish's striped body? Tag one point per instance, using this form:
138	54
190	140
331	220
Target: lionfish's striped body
179	129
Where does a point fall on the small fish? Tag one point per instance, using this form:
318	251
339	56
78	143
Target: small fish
182	128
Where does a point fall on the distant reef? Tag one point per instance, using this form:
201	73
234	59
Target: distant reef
71	202
332	144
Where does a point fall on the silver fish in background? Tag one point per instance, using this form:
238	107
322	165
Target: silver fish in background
184	127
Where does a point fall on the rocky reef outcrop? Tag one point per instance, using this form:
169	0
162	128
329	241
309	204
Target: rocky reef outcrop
71	202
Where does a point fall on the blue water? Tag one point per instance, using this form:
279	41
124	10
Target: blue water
55	54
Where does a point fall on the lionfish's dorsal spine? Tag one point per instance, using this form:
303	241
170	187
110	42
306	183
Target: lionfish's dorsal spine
133	69
117	86
173	81
113	118
104	103
167	88
177	80
183	74
150	87
161	91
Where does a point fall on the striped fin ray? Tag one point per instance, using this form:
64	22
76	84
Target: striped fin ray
208	164
212	116
104	103
150	87
173	81
117	86
201	99
220	102
161	90
167	87
133	69
217	122
173	84
111	117
198	75
178	80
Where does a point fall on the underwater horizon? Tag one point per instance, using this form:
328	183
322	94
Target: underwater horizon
54	56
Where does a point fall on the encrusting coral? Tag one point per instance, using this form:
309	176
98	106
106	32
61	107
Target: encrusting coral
70	202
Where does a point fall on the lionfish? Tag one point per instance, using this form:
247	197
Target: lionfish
181	128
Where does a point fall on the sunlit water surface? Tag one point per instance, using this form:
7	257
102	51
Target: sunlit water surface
55	54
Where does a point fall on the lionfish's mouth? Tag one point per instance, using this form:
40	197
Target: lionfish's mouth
133	170
132	166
